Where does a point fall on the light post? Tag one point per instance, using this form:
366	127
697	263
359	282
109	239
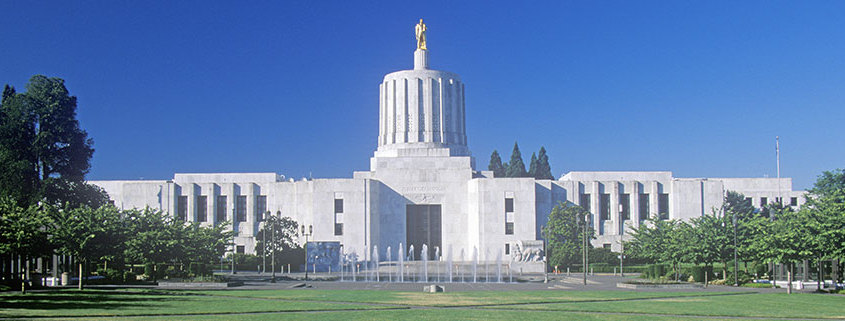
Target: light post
545	254
264	240
234	246
310	232
273	237
586	252
621	255
736	264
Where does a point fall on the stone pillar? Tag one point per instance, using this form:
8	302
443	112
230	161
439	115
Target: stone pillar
653	200
635	204
250	209
615	216
598	225
191	192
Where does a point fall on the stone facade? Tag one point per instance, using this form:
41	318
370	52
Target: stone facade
423	187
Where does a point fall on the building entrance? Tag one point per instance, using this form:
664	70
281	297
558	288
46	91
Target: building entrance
423	227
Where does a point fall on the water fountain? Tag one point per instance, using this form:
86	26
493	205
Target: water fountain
374	257
474	264
410	259
437	263
424	257
401	257
499	266
449	263
389	273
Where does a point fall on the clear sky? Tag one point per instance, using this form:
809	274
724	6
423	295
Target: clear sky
697	88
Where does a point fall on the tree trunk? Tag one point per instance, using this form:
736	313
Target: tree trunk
789	277
821	276
724	270
80	275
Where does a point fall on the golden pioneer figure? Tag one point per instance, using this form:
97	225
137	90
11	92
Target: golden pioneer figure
420	29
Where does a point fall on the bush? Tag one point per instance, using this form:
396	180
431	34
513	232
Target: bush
129	276
698	273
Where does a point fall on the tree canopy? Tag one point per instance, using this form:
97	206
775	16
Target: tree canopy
516	167
565	233
496	165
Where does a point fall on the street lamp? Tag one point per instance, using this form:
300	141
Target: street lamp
234	246
586	251
264	241
736	264
273	236
310	232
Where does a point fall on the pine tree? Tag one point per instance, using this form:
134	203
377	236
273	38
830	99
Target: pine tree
532	166
496	165
544	170
516	167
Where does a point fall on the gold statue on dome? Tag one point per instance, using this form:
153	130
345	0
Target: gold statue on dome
420	30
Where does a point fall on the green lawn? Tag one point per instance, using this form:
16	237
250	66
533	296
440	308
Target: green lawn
449	299
371	304
117	303
749	305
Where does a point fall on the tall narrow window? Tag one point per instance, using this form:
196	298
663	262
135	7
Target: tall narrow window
338	216
507	249
182	208
604	206
644	207
625	206
764	201
663	206
202	208
509	216
793	201
221	208
240	208
260	207
584	202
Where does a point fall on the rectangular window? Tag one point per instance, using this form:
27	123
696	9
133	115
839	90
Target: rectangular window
604	206
240	208
644	207
240	249
260	207
338	216
748	201
182	208
508	205
509	216
584	202
338	205
606	245
764	201
793	201
625	206
221	208
507	249
202	208
663	206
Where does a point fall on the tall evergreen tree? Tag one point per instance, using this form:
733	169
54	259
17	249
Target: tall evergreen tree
532	166
43	151
544	170
516	167
496	165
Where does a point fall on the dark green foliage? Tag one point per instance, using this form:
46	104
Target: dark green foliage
565	231
543	170
43	151
532	166
496	165
516	168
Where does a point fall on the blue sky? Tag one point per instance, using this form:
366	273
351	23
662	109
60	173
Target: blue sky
697	88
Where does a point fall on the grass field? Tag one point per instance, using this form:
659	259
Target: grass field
369	304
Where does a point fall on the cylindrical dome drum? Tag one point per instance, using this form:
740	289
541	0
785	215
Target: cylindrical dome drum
422	108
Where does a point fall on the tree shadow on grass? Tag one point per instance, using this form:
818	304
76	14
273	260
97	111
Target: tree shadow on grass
17	305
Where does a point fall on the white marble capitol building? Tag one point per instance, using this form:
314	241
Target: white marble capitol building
423	187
